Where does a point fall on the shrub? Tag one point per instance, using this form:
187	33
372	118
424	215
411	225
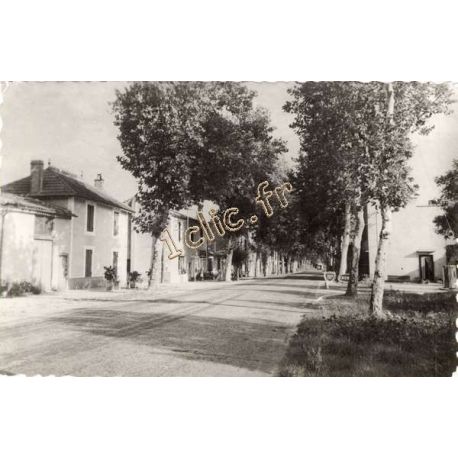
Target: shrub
110	273
134	276
400	301
17	289
3	290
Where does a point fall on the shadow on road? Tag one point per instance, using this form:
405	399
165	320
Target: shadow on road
313	276
252	345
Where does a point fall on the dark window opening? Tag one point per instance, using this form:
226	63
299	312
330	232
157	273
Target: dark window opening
426	267
116	223
88	264
90	218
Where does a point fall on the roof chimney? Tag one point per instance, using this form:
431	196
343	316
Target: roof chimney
36	177
98	182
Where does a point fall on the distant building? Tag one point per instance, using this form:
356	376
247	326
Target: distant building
140	250
206	262
97	234
415	251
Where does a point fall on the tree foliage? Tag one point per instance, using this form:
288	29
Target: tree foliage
447	223
187	142
355	147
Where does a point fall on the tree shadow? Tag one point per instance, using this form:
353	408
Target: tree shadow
267	305
261	282
257	346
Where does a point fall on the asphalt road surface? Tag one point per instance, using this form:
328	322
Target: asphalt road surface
238	329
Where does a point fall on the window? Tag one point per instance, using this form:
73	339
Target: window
90	218
179	231
115	262
116	224
64	262
88	264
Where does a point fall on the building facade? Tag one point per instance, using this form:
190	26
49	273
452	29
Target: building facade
140	250
97	234
415	252
32	246
203	263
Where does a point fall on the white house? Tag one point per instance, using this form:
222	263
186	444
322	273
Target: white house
95	237
32	248
415	251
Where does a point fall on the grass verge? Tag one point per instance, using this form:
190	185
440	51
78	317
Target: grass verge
415	338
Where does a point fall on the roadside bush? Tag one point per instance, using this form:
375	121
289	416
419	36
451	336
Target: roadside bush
17	289
400	301
3	290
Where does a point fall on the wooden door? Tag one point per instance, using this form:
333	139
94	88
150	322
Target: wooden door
426	267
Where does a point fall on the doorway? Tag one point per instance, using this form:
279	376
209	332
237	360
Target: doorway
63	272
42	263
426	267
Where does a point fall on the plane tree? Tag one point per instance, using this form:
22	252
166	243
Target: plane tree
327	177
355	147
447	223
187	142
400	109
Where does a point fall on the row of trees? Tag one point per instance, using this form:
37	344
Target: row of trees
190	142
355	146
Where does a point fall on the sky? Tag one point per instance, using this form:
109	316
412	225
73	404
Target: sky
71	126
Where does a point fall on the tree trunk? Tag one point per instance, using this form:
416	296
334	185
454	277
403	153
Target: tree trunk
352	286
152	278
345	242
376	302
230	252
162	264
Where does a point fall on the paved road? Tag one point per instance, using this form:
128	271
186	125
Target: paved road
238	329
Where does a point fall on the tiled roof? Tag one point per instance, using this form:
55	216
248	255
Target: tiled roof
57	183
28	205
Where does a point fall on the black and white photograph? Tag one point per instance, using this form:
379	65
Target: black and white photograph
229	229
